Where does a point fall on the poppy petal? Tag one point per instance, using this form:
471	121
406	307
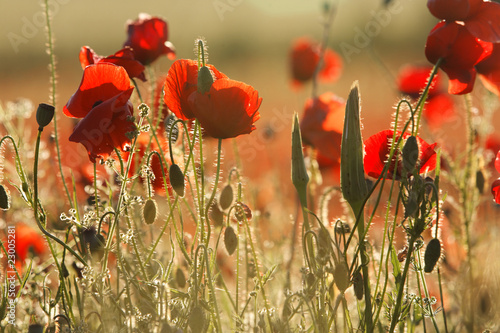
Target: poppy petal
100	82
484	23
495	190
453	10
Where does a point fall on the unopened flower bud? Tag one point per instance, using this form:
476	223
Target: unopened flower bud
4	198
341	276
230	240
205	80
432	254
352	173
149	211
480	181
410	153
226	197
300	178
177	179
358	286
44	115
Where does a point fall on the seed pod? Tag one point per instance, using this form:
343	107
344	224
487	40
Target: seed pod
149	211
226	197
196	320
4	198
357	282
341	276
432	254
205	80
176	179
230	240
44	114
410	153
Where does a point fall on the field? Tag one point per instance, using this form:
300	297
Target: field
140	193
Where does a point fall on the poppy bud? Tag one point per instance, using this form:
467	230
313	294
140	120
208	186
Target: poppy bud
358	285
4	198
216	215
480	181
180	278
196	320
176	179
410	153
230	240
35	328
205	80
226	197
341	276
149	211
300	178
44	115
352	174
432	255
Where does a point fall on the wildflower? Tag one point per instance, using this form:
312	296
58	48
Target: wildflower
439	107
148	38
123	57
227	110
495	186
102	100
377	149
181	82
321	127
489	70
463	38
305	57
28	242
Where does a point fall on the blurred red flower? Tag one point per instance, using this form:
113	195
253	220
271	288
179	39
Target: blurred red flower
439	107
182	81
124	58
28	241
489	70
148	38
322	125
305	57
377	149
227	110
102	100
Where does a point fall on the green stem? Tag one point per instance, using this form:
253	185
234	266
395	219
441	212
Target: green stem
397	308
214	191
366	278
52	66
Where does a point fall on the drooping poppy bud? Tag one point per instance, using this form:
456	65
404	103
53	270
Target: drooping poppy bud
149	211
432	254
177	179
4	198
205	80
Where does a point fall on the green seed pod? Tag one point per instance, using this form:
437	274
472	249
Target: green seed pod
410	153
357	282
149	211
176	179
226	197
196	320
341	276
205	80
230	240
432	254
4	198
44	114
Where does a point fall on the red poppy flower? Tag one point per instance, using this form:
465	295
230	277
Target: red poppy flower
377	149
106	126
148	38
124	58
489	70
495	187
438	110
28	241
227	110
182	81
477	16
304	58
100	82
321	127
460	50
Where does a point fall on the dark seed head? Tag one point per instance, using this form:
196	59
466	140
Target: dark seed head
432	254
